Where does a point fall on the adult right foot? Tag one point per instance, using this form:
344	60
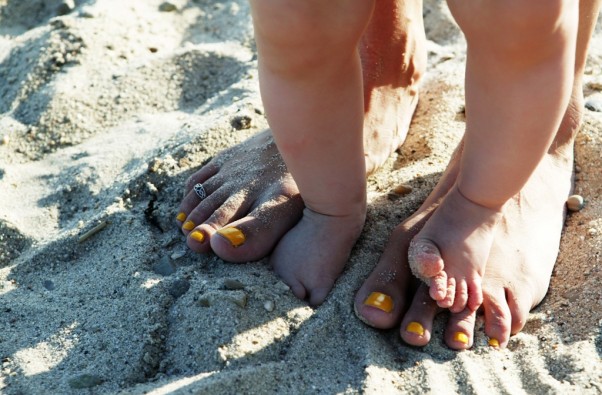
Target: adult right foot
252	201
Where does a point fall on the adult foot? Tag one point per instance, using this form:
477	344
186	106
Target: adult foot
252	201
518	270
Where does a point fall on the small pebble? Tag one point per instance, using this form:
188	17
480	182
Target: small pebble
205	301
65	7
233	284
592	231
166	6
268	305
49	285
179	288
164	267
402	189
5	140
575	203
594	105
238	298
152	188
85	381
240	122
178	254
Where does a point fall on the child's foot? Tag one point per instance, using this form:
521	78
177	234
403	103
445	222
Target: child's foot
450	252
252	201
518	269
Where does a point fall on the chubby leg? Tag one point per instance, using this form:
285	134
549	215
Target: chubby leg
519	77
250	191
525	243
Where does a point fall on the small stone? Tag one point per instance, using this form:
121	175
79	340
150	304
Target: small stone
5	140
239	298
268	305
166	6
240	122
232	284
575	203
592	231
152	188
178	254
164	267
65	7
282	286
85	381
594	105
179	288
205	301
49	285
402	189
577	169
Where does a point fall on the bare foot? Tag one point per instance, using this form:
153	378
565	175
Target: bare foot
253	204
450	252
519	266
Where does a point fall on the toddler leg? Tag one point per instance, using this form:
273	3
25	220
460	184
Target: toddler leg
519	78
311	86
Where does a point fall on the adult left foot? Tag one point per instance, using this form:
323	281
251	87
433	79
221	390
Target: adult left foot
523	253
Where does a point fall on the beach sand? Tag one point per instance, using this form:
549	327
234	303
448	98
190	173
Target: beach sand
107	106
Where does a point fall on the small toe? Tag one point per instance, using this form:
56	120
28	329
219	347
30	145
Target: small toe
449	296
417	323
439	286
520	304
461	297
459	333
498	319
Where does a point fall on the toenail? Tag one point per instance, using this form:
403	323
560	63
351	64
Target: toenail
181	217
494	342
188	225
415	328
381	301
234	236
197	236
461	337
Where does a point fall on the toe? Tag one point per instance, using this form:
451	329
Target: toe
459	333
417	324
461	297
449	294
381	299
255	235
201	176
520	303
424	258
439	286
475	294
498	319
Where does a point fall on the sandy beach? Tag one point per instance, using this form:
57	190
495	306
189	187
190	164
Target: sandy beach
107	106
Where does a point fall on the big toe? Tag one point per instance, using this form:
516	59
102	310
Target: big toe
255	235
381	300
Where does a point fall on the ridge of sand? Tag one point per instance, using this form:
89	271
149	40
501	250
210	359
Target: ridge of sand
108	106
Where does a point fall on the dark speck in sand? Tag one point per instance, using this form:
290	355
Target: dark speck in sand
49	285
179	288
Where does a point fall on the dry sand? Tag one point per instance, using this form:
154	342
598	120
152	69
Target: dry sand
107	106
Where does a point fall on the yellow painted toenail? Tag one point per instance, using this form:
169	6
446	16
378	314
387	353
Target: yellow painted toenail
494	342
188	225
415	328
461	337
181	217
234	236
381	301
197	236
